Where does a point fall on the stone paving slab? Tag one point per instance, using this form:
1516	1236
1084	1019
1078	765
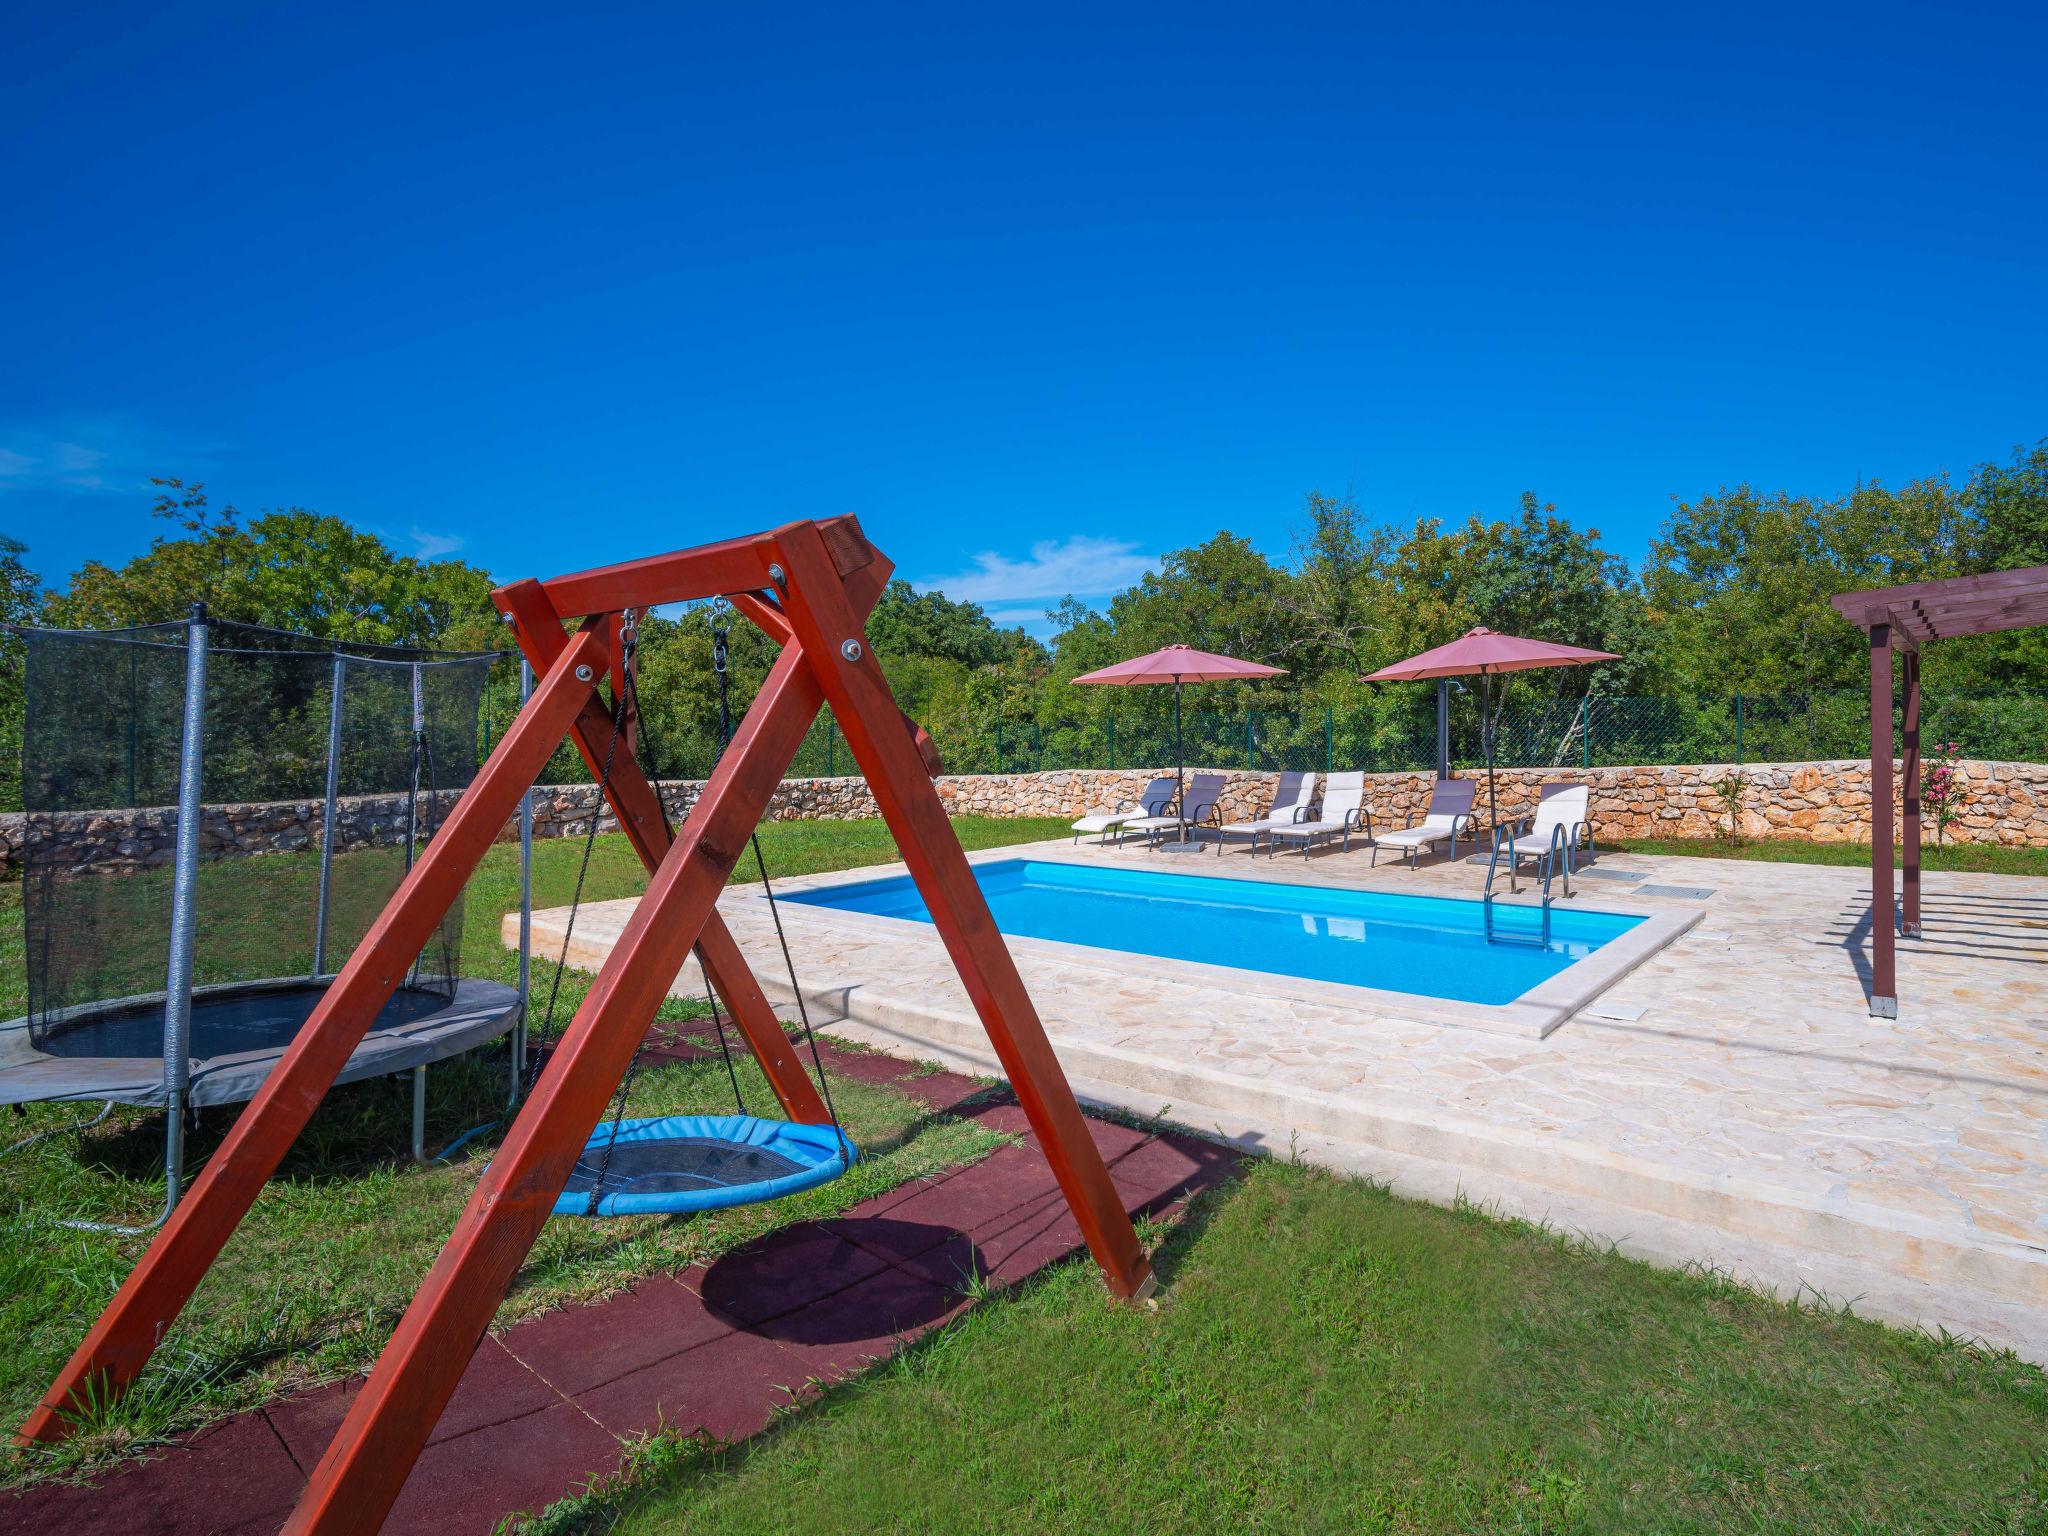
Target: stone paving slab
543	1408
1753	1116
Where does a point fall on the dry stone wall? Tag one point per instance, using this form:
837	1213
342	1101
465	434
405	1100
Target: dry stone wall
2003	803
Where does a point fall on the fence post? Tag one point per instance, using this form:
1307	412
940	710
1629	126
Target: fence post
1738	728
1001	762
831	749
1329	742
1250	745
1037	749
1586	731
1112	741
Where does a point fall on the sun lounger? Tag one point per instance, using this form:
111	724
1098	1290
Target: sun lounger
1158	796
1450	813
1291	801
1343	810
1559	824
1199	806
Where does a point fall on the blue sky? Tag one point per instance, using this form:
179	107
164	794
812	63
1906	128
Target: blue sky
1036	292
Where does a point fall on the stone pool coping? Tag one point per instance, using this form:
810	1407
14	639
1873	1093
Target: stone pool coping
1531	1016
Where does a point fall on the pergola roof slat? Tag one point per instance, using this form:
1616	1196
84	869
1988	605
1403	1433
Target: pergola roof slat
1957	606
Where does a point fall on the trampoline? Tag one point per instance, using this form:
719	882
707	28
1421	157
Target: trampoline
113	1051
216	814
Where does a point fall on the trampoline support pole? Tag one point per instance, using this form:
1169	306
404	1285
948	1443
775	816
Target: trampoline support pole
419	1114
184	910
332	801
525	909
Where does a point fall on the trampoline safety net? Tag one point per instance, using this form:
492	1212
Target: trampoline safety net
102	737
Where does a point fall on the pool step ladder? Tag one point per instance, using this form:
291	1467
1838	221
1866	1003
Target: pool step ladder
1557	859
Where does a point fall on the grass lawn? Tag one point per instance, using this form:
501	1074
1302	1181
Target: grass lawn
1965	858
312	1283
1325	1357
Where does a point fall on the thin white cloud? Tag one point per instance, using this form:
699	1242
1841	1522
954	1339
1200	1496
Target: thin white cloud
434	546
95	457
41	461
1082	565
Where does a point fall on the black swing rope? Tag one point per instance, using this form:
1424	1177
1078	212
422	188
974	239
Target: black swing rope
627	706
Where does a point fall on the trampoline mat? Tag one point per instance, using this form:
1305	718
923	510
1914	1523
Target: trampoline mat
677	1165
239	1032
223	1023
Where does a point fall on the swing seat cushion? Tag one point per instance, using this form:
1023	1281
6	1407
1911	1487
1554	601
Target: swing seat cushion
682	1163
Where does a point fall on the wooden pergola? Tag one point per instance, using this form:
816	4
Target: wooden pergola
1908	618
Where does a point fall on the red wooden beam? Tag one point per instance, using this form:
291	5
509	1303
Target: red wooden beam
709	570
867	713
156	1290
645	823
356	1481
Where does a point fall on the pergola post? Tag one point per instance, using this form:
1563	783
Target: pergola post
1909	771
1884	978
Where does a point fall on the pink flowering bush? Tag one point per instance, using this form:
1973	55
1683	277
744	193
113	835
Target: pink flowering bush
1941	789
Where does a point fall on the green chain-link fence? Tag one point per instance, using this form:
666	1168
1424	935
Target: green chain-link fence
1586	733
1564	733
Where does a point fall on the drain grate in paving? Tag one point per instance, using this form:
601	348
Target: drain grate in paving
1619	1013
1684	892
1609	874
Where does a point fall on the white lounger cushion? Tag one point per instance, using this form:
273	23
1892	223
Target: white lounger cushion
1434	829
1102	821
1283	814
1562	808
1343	795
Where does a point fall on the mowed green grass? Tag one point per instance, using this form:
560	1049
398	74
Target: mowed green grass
1327	1358
313	1281
1965	858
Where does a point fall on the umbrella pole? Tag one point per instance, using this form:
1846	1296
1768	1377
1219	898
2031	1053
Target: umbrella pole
1180	772
1486	741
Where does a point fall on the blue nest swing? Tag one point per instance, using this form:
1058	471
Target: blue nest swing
681	1163
676	1164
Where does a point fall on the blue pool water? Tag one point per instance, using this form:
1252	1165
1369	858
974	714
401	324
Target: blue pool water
1432	946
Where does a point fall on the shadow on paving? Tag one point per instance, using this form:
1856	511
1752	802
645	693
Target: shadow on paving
542	1409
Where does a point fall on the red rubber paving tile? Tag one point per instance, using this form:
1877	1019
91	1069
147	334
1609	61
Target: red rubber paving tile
1166	1169
928	1248
1019	1243
1005	1179
1111	1139
494	1389
578	1348
780	1272
943	1091
864	1323
862	1067
464	1486
236	1477
727	1387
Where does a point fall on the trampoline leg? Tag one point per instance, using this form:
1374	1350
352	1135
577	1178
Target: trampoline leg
419	1114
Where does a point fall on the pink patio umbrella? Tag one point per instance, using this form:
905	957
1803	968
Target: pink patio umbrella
1177	664
1481	650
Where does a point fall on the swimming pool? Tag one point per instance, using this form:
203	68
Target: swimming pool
1427	946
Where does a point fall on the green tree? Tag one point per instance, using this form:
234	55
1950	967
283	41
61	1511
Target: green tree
289	569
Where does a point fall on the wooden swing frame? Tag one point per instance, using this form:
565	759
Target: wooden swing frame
809	586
